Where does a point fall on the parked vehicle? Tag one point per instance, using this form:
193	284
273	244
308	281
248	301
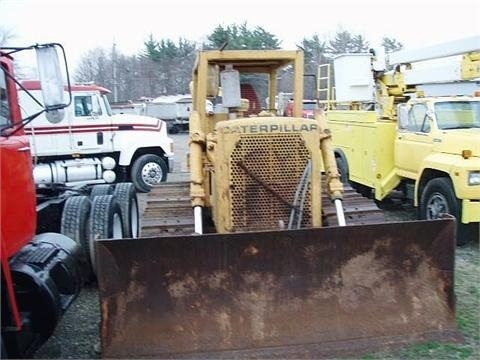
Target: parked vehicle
389	138
100	147
48	222
174	110
308	108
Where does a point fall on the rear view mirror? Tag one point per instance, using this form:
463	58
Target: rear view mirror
402	112
50	76
51	81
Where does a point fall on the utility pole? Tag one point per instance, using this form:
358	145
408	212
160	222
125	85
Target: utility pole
114	67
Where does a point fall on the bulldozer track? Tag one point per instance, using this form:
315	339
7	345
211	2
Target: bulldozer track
168	211
358	210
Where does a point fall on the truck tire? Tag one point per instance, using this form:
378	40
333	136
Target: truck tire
148	170
105	223
74	224
437	199
101	189
126	196
342	167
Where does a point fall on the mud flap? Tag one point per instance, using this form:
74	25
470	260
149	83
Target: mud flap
306	293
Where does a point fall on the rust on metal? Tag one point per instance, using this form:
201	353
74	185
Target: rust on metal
265	185
304	293
264	174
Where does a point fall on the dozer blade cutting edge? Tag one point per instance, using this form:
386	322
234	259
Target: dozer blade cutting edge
306	293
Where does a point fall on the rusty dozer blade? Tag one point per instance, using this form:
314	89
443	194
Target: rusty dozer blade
306	293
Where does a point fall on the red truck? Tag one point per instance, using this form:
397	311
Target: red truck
308	110
47	233
40	273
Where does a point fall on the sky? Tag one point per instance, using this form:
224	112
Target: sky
83	25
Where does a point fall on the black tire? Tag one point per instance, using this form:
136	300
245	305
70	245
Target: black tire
101	189
437	199
105	223
342	167
363	190
75	218
148	170
174	129
74	224
126	196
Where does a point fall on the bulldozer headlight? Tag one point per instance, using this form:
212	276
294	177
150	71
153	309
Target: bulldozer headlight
474	178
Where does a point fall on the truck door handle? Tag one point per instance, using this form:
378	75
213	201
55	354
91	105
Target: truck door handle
24	149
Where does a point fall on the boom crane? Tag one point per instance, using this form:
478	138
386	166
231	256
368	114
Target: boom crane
423	145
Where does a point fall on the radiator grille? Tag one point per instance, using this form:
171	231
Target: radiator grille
269	161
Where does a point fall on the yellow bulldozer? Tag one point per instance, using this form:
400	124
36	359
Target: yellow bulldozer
264	253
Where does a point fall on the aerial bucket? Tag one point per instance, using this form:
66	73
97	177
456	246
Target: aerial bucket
307	293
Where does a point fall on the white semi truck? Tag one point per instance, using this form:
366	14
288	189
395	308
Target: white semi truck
94	146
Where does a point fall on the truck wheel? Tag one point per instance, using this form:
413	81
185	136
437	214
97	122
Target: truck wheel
74	224
105	223
438	198
101	189
127	199
342	167
174	129
148	170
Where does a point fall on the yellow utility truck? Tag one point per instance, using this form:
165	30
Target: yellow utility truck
262	254
412	131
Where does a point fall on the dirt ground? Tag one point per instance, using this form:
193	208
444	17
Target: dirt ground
77	335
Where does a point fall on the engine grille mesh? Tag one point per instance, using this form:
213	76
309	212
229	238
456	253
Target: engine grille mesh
260	162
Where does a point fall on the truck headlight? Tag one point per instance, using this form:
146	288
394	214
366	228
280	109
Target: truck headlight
474	178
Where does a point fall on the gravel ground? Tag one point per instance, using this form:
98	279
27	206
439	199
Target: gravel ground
77	335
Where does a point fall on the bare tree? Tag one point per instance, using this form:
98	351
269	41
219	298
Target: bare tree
6	35
164	66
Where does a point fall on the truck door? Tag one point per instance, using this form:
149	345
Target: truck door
414	139
18	192
92	127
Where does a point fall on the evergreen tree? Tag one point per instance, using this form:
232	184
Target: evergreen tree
236	37
391	45
346	42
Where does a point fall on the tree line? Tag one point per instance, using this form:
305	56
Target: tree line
164	66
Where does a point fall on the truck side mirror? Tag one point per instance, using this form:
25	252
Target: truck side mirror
51	82
402	111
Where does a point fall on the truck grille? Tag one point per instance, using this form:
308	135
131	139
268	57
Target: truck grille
264	170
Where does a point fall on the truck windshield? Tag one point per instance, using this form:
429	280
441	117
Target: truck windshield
457	114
